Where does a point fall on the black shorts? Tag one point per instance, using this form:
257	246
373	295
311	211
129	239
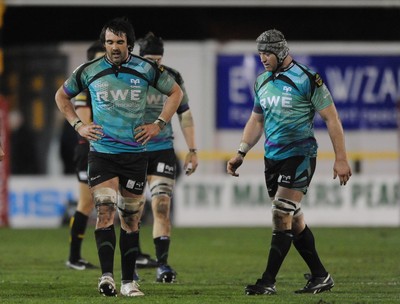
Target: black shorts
293	173
130	168
81	161
162	163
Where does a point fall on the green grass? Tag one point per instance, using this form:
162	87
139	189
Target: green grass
213	265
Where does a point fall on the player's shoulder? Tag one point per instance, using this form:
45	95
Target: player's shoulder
301	68
171	70
307	75
92	64
174	73
90	67
146	64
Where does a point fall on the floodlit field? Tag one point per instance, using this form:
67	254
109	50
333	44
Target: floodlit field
213	265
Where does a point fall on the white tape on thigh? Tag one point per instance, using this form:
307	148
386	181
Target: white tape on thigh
161	186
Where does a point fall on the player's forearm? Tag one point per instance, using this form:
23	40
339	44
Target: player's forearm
252	132
65	106
187	127
172	103
336	135
188	134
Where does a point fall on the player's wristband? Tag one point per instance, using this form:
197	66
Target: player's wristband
243	149
241	153
77	124
161	123
192	150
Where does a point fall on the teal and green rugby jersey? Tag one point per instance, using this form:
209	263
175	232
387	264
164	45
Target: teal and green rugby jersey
119	98
155	104
288	100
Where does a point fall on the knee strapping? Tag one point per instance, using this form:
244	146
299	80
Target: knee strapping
162	186
105	197
130	206
286	206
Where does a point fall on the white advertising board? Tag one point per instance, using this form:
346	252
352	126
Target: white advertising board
243	201
221	200
39	201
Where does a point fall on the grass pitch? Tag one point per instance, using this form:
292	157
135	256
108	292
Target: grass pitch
213	265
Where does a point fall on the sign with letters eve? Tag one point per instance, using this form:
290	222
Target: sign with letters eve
365	88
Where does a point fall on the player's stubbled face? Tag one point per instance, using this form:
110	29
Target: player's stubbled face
269	61
116	47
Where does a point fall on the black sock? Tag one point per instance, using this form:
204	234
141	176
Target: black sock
305	245
162	249
106	240
280	245
77	233
128	245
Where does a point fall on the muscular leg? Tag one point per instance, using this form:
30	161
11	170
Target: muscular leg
303	239
129	210
304	243
105	198
161	192
284	206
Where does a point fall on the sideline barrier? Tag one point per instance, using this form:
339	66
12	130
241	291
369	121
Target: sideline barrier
39	201
243	201
222	200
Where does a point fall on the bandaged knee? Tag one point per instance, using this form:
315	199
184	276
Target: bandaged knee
130	206
162	186
285	206
105	197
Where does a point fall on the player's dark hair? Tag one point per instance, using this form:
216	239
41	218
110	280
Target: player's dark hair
151	45
119	26
96	47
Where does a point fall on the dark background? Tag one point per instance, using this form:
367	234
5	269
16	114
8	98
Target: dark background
42	24
34	66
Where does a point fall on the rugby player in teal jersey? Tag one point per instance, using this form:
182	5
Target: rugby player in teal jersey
161	171
85	206
117	162
287	96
